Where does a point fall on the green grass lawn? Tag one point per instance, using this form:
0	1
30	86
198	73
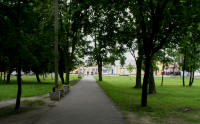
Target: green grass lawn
30	87
168	102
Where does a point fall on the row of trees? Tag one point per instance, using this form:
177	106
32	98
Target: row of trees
28	31
165	31
103	30
161	28
24	41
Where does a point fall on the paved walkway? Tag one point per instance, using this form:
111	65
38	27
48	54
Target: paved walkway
85	104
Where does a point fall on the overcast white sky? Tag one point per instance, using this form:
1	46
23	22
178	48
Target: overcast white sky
129	59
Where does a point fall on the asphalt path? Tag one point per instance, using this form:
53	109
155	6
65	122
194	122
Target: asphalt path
86	103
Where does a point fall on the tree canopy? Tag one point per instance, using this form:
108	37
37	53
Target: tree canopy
151	30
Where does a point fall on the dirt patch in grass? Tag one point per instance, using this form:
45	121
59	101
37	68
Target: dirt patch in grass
134	118
30	112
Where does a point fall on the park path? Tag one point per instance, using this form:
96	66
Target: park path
86	103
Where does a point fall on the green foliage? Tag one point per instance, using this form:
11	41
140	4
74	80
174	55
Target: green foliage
190	48
73	18
165	31
104	31
130	68
28	35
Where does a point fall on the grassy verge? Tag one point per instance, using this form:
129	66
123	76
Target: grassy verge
30	87
169	101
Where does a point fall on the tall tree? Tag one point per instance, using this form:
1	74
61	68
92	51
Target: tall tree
56	41
73	27
21	21
165	57
130	38
105	32
130	68
156	21
19	58
190	50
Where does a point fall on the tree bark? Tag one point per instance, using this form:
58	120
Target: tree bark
152	86
61	66
67	75
100	69
67	63
149	36
145	81
61	77
51	76
191	78
19	86
184	61
163	67
37	77
4	76
190	81
43	76
138	73
56	41
8	75
1	75
19	80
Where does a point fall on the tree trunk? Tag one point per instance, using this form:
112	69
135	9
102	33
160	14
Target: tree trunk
43	76
191	78
8	75
4	76
67	75
100	70
61	66
152	86
19	80
60	69
1	75
51	76
46	75
184	59
174	68
145	81
163	67
138	73
19	86
61	77
37	77
56	42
